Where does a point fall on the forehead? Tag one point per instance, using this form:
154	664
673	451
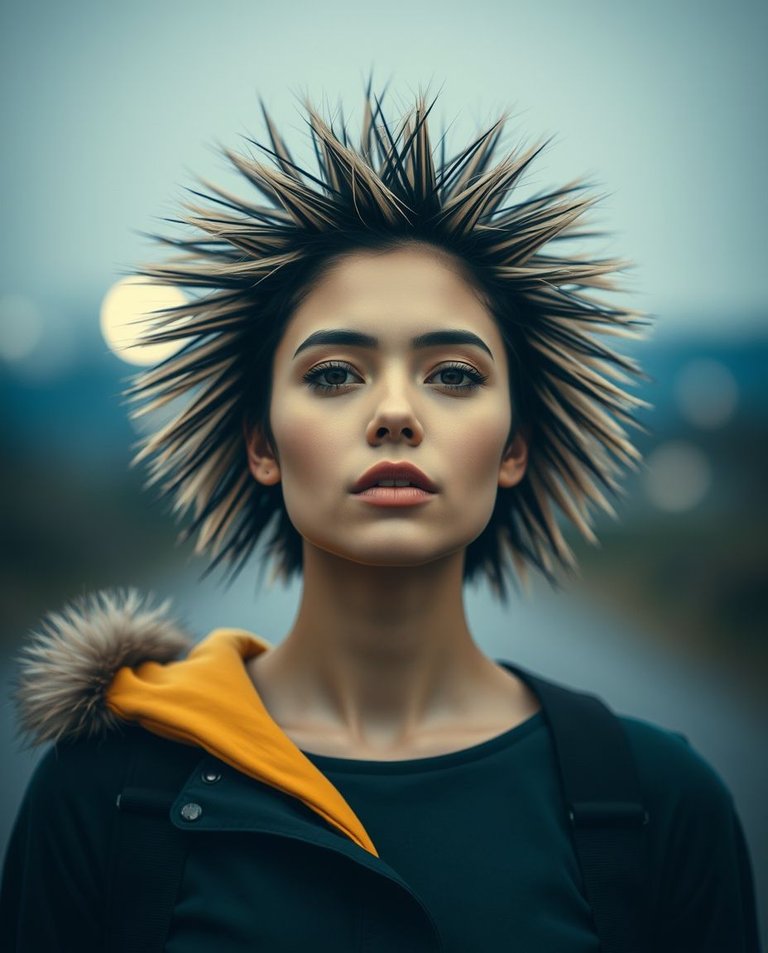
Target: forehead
394	295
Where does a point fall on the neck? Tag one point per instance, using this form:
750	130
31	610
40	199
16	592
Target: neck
380	655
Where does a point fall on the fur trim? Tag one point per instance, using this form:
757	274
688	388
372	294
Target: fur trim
70	661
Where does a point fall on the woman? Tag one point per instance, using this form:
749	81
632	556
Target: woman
395	372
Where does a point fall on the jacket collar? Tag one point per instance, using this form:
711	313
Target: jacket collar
208	700
112	657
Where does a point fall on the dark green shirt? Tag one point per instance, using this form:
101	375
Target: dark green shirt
482	837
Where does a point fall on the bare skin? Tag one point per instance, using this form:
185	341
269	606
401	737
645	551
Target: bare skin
380	663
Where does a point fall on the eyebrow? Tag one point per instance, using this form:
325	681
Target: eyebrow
358	339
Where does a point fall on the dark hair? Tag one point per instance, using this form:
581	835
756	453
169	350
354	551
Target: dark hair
257	262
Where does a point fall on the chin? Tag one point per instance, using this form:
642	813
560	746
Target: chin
393	556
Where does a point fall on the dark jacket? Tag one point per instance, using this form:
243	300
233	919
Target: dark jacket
277	858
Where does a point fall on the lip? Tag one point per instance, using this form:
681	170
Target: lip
387	470
397	496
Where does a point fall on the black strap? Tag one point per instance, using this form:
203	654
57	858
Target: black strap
148	852
609	821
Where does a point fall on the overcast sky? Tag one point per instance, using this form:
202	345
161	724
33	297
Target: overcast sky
109	109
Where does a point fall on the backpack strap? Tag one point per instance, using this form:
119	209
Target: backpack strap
148	852
609	820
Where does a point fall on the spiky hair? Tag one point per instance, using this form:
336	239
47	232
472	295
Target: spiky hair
254	262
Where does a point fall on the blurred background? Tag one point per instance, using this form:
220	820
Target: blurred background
109	111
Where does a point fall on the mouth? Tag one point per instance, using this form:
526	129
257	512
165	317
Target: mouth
395	479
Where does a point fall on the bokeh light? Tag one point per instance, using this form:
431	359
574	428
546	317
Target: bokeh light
123	310
678	477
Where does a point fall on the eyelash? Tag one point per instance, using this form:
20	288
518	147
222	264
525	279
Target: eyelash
311	377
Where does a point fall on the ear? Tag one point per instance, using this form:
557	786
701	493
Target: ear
262	461
515	459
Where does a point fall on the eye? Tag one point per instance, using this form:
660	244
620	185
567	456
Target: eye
336	369
456	370
334	373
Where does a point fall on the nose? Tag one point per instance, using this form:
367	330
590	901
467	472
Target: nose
394	420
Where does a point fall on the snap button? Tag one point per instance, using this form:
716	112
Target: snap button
191	811
211	777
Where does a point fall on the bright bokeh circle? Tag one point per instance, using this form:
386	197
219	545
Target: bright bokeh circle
124	306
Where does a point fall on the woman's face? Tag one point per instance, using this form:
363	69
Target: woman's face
338	409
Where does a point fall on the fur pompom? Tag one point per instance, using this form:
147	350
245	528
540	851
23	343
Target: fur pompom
69	662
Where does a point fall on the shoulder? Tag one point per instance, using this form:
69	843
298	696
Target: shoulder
703	880
70	807
60	839
671	771
93	771
58	862
80	779
696	839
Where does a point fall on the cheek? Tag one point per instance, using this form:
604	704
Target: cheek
477	443
310	442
